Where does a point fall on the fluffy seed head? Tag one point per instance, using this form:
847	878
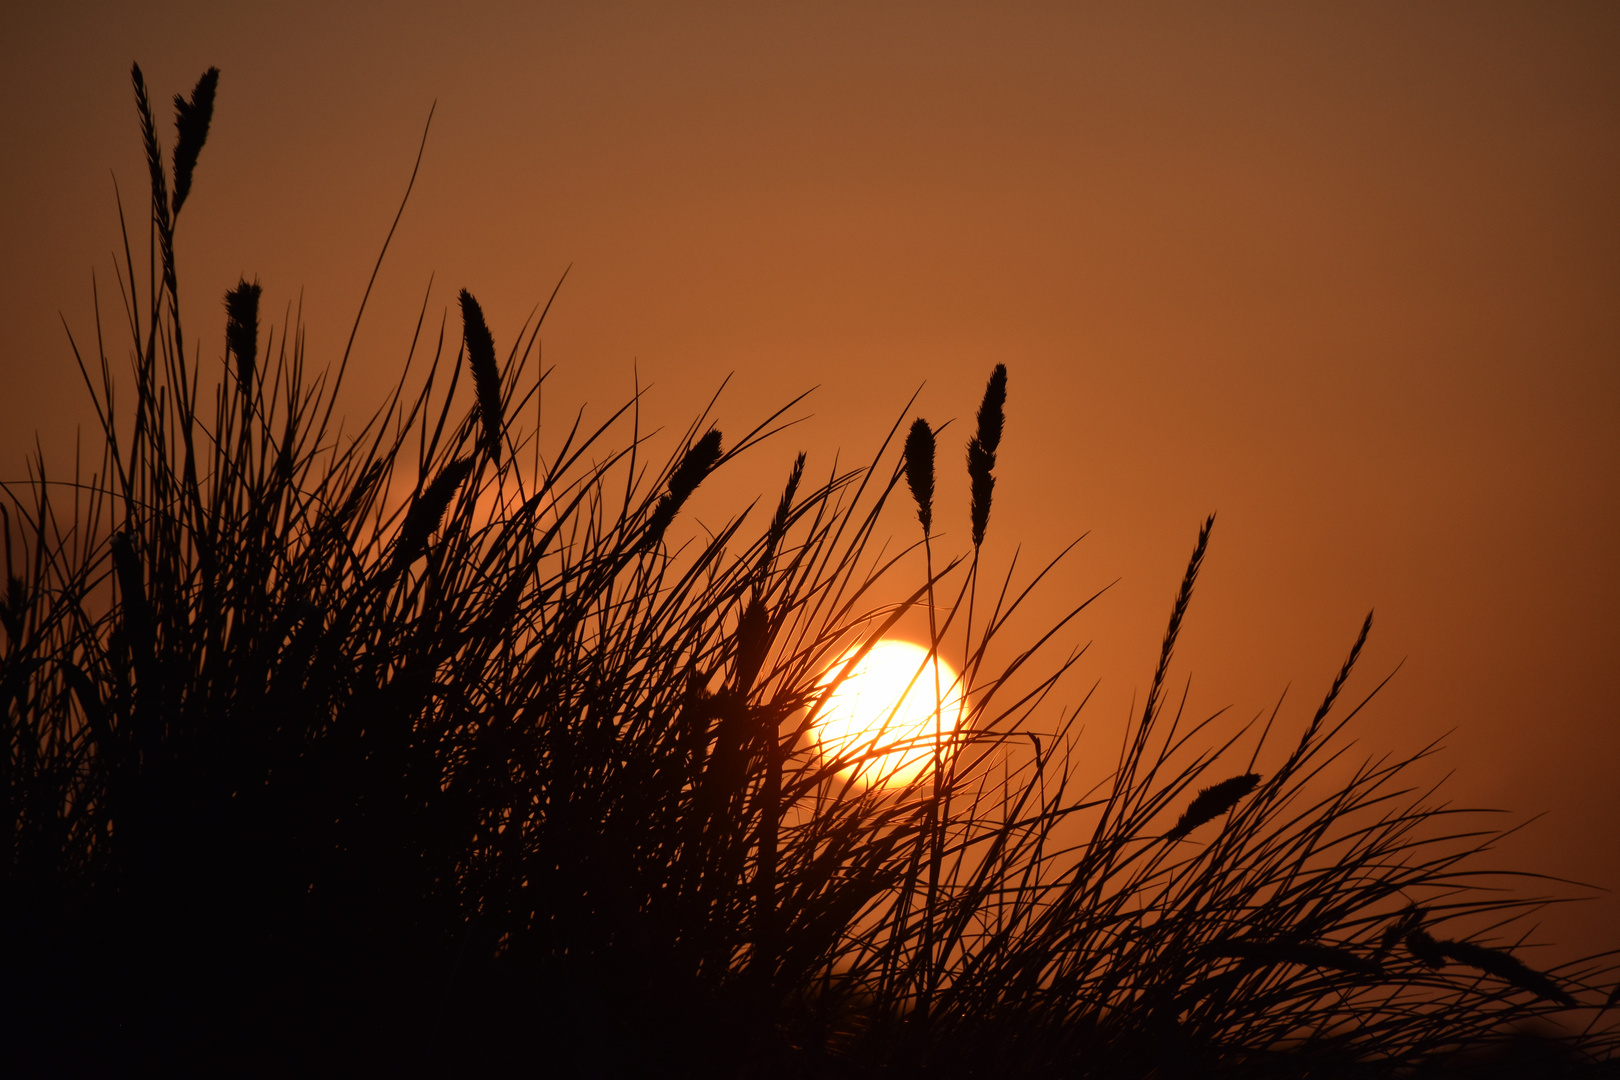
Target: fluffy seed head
428	510
191	120
1422	946
992	412
154	153
695	464
242	330
1411	918
1305	954
486	376
983	480
982	450
920	471
1212	802
779	523
1508	968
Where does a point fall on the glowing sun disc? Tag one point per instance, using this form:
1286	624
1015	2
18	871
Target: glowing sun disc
888	701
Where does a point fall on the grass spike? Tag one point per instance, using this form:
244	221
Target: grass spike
919	456
242	330
1212	802
486	375
191	120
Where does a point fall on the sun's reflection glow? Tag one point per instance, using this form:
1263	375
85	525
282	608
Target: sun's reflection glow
883	716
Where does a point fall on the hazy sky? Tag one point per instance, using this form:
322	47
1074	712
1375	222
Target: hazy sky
1348	274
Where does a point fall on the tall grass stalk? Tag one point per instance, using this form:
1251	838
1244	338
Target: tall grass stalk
439	746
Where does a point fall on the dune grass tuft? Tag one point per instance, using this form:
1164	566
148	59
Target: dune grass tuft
438	744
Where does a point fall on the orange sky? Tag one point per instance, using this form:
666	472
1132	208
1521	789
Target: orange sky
1347	274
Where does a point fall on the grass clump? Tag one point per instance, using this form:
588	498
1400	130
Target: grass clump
431	747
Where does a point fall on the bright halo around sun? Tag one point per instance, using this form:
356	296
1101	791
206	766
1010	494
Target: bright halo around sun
889	700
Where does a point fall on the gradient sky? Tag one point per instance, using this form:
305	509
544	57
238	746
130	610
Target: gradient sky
1348	274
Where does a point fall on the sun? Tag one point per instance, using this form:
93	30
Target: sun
888	701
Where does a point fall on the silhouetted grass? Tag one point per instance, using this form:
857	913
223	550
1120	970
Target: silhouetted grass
384	751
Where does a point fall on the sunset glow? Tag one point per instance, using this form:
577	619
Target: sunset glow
888	701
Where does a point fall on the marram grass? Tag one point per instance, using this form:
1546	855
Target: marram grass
440	745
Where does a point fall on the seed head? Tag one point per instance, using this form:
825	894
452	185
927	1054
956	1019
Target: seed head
920	471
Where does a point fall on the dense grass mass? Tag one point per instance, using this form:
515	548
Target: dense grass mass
439	746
